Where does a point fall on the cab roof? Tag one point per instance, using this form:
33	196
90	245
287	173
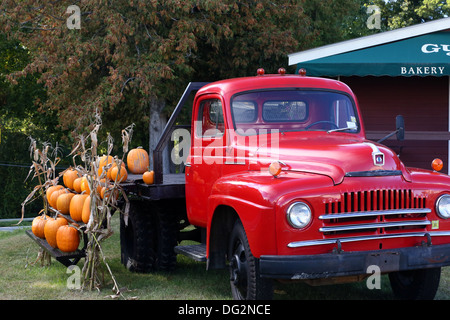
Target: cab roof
230	87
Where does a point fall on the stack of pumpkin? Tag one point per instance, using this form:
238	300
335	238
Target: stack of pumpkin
138	163
57	231
74	198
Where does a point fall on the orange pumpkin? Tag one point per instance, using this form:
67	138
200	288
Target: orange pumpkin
51	189
148	177
77	184
85	186
100	185
50	229
108	173
67	238
63	202
86	212
38	225
137	160
102	192
106	192
55	195
69	177
76	206
104	161
119	175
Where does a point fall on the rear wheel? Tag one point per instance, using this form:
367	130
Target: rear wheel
166	240
137	239
245	280
415	284
148	238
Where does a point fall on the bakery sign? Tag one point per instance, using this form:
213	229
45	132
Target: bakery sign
429	49
419	70
436	48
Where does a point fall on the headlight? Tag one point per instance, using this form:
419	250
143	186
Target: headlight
299	215
443	206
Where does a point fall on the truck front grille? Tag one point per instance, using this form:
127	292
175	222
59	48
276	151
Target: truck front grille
375	200
375	212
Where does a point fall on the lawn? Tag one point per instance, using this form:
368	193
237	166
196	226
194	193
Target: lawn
22	280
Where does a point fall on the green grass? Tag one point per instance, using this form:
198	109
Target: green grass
190	281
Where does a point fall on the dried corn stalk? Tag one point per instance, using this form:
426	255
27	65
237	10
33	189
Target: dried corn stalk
98	227
43	168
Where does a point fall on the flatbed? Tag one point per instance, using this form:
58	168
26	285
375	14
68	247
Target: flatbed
172	187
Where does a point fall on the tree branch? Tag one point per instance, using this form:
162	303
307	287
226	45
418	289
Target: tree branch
125	83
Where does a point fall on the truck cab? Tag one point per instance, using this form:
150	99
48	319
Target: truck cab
283	179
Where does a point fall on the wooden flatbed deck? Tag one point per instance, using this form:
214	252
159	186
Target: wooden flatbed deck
173	186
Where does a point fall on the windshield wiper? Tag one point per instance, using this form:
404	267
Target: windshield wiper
343	129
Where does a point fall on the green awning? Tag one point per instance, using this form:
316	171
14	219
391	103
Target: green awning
427	55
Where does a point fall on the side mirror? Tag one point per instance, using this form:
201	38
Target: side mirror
399	131
400	127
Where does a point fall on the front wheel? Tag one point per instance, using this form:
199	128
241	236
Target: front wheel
245	280
415	284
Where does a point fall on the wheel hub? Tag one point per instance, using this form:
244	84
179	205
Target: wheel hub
238	268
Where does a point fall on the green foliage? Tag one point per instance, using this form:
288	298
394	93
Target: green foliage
394	14
398	14
19	118
13	56
13	187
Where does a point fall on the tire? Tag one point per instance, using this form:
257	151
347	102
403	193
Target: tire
415	284
166	240
147	241
137	239
245	280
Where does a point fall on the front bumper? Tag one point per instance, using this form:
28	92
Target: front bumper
353	263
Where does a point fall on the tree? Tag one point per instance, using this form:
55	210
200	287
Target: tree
130	57
398	14
393	14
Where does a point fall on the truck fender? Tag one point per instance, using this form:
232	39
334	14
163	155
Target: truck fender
258	219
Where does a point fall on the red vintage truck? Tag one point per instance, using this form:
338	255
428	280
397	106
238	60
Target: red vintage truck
280	182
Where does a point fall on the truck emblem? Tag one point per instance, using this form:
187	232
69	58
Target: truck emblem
377	155
379	159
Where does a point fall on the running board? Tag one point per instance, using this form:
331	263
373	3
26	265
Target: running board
195	251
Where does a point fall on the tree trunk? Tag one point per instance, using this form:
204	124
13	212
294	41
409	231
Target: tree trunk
157	123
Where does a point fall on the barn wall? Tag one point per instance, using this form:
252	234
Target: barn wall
424	103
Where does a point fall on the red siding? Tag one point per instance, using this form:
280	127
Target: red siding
423	101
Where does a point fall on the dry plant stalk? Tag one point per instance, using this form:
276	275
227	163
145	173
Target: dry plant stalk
43	168
98	227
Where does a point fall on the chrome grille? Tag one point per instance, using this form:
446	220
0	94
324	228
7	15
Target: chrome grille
374	212
375	200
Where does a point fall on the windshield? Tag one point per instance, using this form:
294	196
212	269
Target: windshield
293	110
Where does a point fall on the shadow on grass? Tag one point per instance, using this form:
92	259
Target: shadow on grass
191	281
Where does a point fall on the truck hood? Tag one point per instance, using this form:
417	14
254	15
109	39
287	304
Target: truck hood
335	155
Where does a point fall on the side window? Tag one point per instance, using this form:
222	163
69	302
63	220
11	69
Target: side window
210	119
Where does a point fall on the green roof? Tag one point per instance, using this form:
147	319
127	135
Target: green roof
418	50
427	55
